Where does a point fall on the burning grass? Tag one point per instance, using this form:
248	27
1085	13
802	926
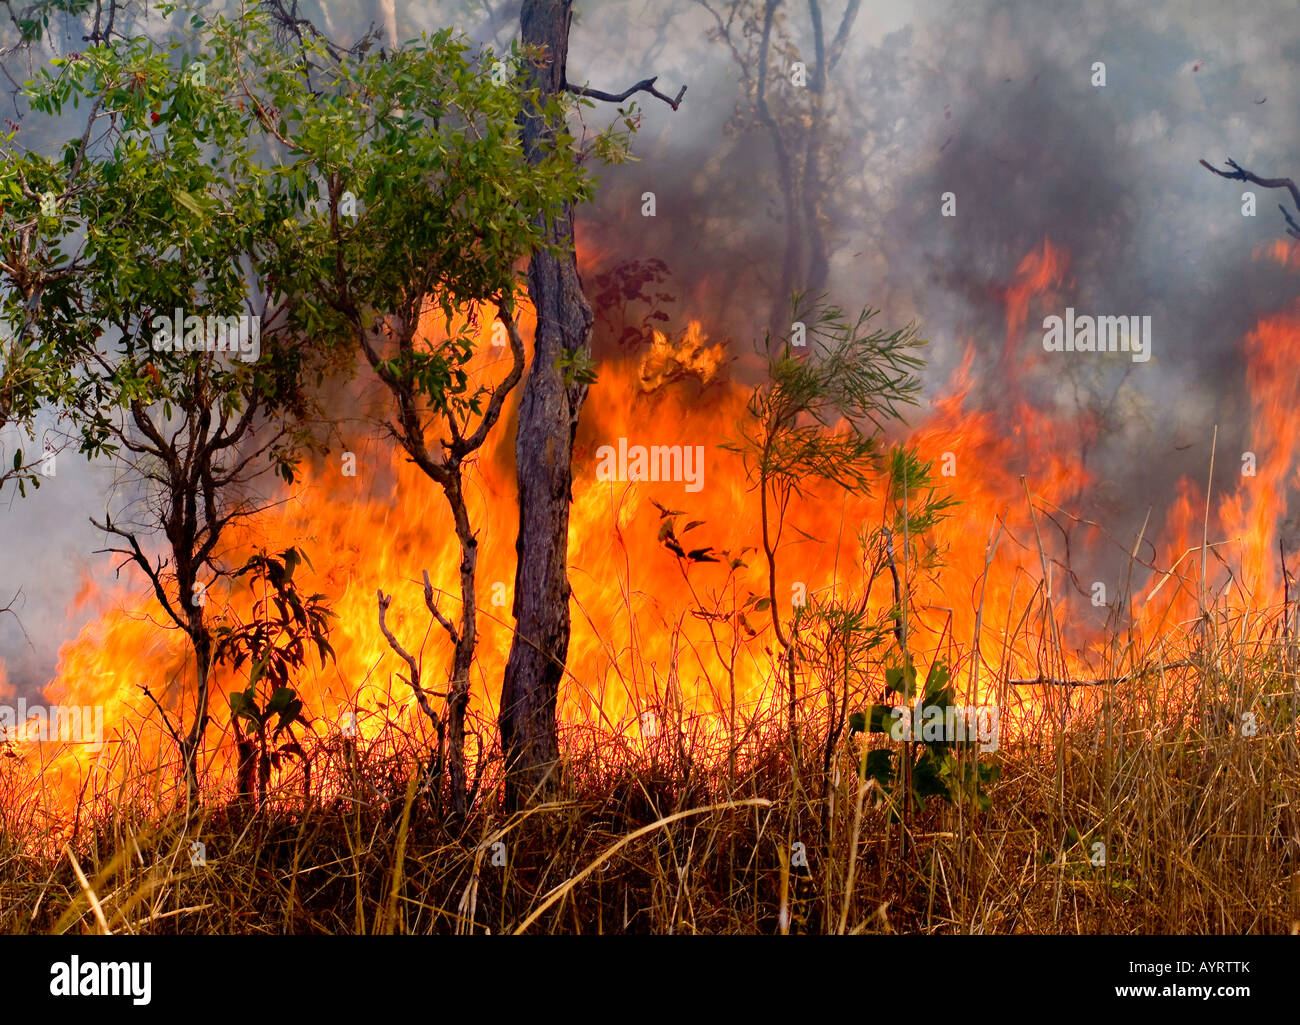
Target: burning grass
1194	815
1143	779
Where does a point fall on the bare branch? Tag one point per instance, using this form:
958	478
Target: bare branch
505	311
163	712
154	573
842	35
395	644
1240	174
433	607
646	85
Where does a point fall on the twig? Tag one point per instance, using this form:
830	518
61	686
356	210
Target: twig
420	696
1103	681
433	608
161	711
1240	174
646	85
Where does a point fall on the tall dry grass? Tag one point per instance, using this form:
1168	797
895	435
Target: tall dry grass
1197	820
1157	798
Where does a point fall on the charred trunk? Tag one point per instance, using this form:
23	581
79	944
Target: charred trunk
201	640
463	660
548	414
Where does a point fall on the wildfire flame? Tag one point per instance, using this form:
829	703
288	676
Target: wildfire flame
637	645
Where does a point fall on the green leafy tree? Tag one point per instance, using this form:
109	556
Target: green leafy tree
924	766
413	203
339	196
159	214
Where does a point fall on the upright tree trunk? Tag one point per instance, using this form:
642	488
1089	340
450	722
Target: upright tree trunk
201	640
463	661
548	415
805	265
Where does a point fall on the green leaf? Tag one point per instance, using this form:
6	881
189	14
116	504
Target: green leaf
879	765
935	682
900	681
242	704
928	778
881	719
281	699
877	719
189	202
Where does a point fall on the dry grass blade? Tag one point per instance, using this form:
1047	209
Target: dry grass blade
574	880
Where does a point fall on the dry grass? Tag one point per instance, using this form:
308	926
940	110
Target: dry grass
1197	820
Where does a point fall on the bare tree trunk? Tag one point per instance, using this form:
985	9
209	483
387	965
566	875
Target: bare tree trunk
548	415
465	642
805	264
814	187
201	639
389	10
793	254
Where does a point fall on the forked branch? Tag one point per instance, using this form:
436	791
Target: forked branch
420	695
437	614
646	85
1238	173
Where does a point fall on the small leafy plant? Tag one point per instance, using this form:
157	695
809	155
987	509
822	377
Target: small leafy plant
274	645
932	767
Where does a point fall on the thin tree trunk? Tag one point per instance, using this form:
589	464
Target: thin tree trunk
793	254
201	640
548	414
466	640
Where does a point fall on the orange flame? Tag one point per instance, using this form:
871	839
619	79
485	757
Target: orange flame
637	644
